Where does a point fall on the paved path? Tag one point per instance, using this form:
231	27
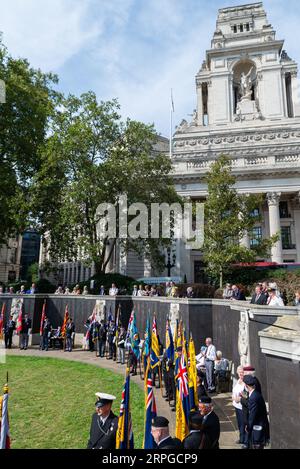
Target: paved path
222	402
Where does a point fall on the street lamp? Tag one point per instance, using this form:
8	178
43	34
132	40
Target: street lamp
168	264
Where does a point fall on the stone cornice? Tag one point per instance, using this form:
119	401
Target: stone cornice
260	46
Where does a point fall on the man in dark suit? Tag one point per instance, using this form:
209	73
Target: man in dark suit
210	424
8	331
195	439
104	424
26	326
259	298
257	420
161	434
238	294
69	334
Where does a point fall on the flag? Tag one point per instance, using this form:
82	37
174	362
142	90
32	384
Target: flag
43	318
150	409
19	321
155	352
192	375
169	344
182	393
64	326
134	338
118	322
172	102
4	424
147	344
124	437
2	319
129	326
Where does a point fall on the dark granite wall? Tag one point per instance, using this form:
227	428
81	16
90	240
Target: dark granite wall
284	402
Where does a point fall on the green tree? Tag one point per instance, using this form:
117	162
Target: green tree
228	216
92	157
30	98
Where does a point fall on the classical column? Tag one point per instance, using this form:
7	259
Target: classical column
199	105
274	221
296	207
295	99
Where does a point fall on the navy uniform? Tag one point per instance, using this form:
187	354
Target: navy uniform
8	332
161	423
257	425
103	430
210	426
69	334
196	438
111	336
46	333
102	331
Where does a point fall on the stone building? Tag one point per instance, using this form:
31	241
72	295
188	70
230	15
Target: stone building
248	109
10	260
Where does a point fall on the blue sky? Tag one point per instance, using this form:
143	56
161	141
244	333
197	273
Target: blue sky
134	50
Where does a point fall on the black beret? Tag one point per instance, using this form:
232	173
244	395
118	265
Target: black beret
205	400
250	380
160	422
195	418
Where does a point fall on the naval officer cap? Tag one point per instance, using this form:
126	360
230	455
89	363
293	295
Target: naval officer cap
103	399
160	422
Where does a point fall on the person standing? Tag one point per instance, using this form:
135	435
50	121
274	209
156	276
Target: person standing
111	337
210	357
102	338
210	423
9	328
113	291
46	333
121	346
236	401
69	334
102	291
259	298
104	424
274	299
258	420
196	438
26	326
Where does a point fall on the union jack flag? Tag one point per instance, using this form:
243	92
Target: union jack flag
124	437
150	409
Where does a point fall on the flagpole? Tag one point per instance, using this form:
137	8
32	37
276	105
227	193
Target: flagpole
171	124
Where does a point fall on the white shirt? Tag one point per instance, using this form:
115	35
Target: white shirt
113	291
275	301
200	360
237	389
211	352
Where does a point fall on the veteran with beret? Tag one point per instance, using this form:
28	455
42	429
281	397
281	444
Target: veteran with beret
210	423
104	424
196	437
257	425
161	434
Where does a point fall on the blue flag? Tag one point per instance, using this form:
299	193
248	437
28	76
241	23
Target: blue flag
124	437
135	338
169	342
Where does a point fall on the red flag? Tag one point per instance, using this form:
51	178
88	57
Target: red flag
64	326
2	320
43	318
19	322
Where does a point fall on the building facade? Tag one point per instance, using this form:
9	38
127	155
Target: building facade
248	109
10	260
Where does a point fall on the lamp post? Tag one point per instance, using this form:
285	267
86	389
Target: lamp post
169	265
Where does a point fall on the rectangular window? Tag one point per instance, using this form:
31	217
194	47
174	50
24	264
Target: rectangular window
286	238
284	210
247	27
235	28
241	28
255	236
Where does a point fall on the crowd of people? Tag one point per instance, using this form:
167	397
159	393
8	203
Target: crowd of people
10	290
265	294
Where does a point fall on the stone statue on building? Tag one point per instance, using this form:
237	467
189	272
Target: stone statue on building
243	339
245	85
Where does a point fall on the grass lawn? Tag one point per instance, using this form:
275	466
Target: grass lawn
52	401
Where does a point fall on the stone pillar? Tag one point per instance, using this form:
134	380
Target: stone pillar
295	98
199	105
274	220
296	207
